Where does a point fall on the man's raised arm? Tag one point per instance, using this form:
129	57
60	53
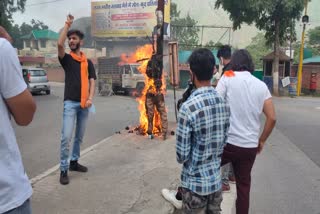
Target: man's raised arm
63	36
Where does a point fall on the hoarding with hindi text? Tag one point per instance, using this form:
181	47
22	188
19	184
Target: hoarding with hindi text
119	18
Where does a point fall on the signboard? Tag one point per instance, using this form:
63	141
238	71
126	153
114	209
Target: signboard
120	18
285	81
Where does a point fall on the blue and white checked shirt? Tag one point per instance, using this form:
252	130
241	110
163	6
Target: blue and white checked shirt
203	123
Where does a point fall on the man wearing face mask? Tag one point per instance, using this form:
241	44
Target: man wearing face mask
202	128
78	94
224	54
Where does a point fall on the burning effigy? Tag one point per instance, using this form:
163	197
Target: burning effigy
151	105
153	113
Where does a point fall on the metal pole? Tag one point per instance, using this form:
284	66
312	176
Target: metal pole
201	35
174	95
301	53
229	35
291	29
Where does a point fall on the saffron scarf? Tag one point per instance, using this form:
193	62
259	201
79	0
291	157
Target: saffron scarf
229	73
84	77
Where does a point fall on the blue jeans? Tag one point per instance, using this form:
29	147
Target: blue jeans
72	113
25	208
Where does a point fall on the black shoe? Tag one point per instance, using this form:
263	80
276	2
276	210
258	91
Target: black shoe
75	166
64	179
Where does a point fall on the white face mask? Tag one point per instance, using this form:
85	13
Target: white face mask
221	61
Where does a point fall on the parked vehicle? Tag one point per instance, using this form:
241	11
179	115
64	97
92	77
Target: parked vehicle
36	79
124	78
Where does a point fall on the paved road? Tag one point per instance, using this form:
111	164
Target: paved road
284	179
299	120
40	142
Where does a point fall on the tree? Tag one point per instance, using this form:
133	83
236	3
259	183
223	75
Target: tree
312	43
273	16
211	44
258	48
314	37
183	29
7	8
17	32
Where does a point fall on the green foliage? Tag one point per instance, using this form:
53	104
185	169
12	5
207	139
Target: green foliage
312	43
314	37
296	47
7	8
15	33
258	49
24	29
265	14
183	29
174	13
211	44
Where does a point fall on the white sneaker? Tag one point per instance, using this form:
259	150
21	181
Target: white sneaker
170	195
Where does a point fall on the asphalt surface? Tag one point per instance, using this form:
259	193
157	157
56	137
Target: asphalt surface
40	142
299	120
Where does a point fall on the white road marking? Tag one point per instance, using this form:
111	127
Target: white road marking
56	167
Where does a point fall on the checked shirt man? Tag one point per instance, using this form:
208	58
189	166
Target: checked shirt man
203	123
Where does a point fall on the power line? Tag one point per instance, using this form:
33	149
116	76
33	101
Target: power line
48	2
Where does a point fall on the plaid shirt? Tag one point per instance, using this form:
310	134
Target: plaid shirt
203	123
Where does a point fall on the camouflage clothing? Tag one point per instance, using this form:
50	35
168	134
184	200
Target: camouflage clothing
192	203
157	101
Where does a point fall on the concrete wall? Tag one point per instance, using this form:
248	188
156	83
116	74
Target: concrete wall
55	74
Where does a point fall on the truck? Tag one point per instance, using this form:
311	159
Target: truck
122	77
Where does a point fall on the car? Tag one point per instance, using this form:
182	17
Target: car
36	79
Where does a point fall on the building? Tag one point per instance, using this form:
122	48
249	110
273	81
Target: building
40	42
310	75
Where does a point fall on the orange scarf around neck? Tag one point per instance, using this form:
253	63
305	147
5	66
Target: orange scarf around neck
229	73
84	77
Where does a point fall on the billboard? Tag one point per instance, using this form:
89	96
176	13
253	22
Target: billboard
120	18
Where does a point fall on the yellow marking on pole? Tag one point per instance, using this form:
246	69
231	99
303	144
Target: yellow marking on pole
301	52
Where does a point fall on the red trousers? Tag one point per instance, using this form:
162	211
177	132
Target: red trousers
242	160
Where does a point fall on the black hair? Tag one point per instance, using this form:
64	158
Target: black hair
224	52
79	33
241	60
202	63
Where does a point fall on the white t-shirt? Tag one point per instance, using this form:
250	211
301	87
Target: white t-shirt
246	96
15	187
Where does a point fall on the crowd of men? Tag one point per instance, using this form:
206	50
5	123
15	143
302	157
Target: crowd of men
217	126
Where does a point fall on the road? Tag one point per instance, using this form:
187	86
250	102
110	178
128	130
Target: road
299	120
40	142
285	176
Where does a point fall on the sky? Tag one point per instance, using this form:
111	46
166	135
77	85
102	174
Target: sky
53	13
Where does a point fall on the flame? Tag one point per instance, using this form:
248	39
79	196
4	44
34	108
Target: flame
142	55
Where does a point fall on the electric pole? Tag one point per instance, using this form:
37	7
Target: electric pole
305	20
